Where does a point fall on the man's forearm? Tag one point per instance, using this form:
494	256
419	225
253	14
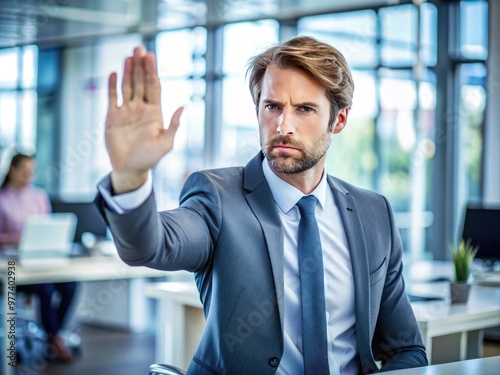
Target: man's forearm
408	358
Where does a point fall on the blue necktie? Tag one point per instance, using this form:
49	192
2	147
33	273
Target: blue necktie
312	290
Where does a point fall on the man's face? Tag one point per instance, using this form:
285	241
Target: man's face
293	120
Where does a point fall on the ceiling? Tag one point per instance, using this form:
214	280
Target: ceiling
72	21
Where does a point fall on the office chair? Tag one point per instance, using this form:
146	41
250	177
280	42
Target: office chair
162	369
29	334
31	339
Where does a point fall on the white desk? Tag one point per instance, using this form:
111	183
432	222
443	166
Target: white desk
180	321
110	269
455	332
480	366
450	332
80	269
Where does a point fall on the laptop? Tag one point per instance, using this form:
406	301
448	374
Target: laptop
47	239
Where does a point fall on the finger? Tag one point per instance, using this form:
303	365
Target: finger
127	80
112	100
174	123
153	90
138	75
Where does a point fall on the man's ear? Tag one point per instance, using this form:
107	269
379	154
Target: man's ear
340	121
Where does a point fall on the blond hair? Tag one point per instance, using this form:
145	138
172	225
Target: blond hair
322	61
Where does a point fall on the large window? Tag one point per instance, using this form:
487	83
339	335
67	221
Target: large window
84	103
473	34
240	132
395	141
388	143
472	102
468	114
182	68
18	80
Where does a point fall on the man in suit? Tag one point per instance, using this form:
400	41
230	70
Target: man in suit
243	231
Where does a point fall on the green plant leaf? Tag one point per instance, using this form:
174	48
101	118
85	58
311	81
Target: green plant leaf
462	257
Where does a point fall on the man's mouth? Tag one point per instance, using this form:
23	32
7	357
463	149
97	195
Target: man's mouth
281	147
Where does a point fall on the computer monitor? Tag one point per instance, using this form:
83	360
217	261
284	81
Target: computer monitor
482	226
89	219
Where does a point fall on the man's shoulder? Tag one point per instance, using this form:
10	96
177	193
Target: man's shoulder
355	191
218	182
221	179
253	171
217	173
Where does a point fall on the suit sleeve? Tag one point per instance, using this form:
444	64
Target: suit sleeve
397	342
180	239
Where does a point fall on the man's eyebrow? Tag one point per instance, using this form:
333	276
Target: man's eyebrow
304	104
270	101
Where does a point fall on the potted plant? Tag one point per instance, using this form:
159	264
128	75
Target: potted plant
462	257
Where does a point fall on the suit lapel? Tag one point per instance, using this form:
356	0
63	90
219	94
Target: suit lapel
261	202
359	259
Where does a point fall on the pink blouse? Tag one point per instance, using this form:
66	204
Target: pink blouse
16	206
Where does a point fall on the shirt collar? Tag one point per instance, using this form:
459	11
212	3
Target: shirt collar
285	195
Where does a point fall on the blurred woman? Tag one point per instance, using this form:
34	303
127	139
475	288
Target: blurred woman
18	200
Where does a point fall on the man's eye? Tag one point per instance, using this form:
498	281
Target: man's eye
306	109
271	106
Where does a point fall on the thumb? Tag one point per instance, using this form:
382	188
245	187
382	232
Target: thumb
175	121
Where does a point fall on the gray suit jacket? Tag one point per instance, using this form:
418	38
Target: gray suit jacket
228	232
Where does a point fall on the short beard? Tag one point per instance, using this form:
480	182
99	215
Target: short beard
286	164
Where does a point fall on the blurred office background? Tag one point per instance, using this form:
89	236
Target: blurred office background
419	130
423	130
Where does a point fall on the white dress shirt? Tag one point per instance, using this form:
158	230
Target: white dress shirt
339	284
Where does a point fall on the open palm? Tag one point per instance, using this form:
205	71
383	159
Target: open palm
135	135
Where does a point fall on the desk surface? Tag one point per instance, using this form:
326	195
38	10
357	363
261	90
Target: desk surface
481	366
482	300
183	292
481	310
81	269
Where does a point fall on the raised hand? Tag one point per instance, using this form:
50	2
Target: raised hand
135	136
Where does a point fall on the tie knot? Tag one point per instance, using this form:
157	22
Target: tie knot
307	204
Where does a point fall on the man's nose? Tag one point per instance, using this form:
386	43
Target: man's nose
286	124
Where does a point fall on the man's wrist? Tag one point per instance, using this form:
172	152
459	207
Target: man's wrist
122	183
